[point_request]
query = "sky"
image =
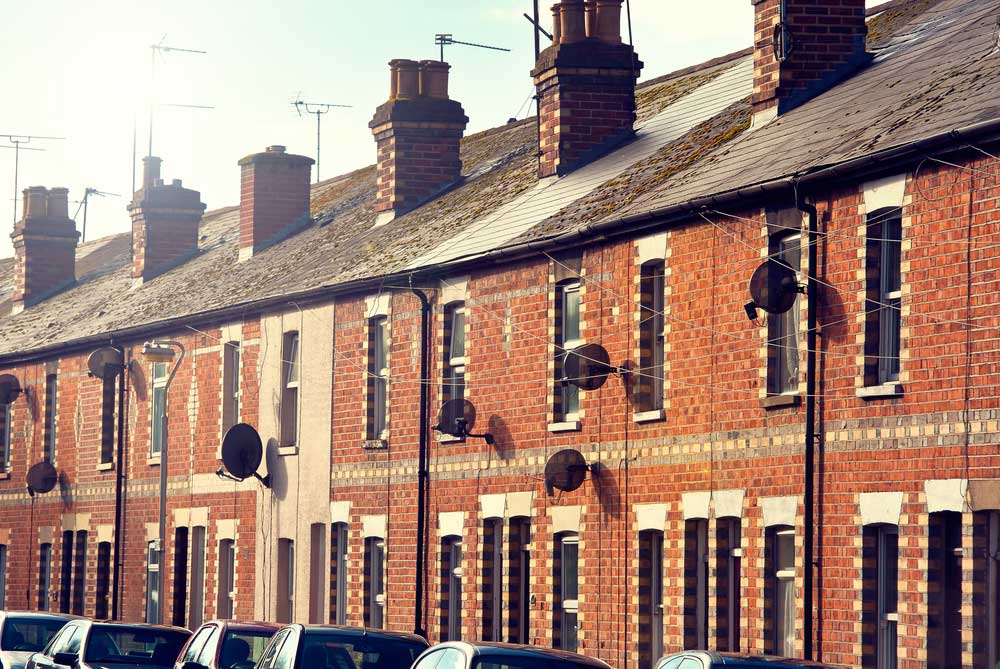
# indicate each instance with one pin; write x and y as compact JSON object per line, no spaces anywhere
{"x":83,"y":71}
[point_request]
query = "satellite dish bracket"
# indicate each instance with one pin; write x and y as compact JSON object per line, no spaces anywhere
{"x":550,"y":488}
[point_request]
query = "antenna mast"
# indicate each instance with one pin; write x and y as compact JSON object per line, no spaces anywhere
{"x":445,"y":39}
{"x":317,"y":109}
{"x":17,"y":141}
{"x":87,"y":192}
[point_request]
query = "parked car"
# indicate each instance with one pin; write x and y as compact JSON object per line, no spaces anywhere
{"x":709,"y":660}
{"x":334,"y":647}
{"x":23,"y":633}
{"x":485,"y":655}
{"x":85,"y":644}
{"x":226,"y":644}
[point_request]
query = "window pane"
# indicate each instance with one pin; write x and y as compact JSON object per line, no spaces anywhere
{"x":5,"y":416}
{"x":570,"y":400}
{"x":3,"y":577}
{"x":291,"y":359}
{"x":571,"y":313}
{"x":158,"y":409}
{"x":786,"y":617}
{"x":51,"y":404}
{"x":44,"y":576}
{"x":570,"y":555}
{"x":457,"y":349}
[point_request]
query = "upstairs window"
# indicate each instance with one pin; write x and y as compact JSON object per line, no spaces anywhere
{"x":6,"y":414}
{"x":109,"y":394}
{"x":651,"y":336}
{"x":454,"y":351}
{"x":567,"y":328}
{"x":51,"y":407}
{"x":378,"y":379}
{"x":230,"y":385}
{"x":783,"y":328}
{"x":883,"y":291}
{"x":290,"y":389}
{"x":159,"y":408}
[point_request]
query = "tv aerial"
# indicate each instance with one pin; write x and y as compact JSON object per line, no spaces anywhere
{"x":87,"y":192}
{"x":565,"y":471}
{"x":10,"y":389}
{"x":242,"y":452}
{"x":42,"y":478}
{"x":317,"y":109}
{"x":445,"y":39}
{"x":457,"y":418}
{"x":17,"y":141}
{"x":105,"y":363}
{"x":773,"y":287}
{"x":587,"y":367}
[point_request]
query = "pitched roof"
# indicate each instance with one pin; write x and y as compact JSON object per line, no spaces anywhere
{"x":691,"y":138}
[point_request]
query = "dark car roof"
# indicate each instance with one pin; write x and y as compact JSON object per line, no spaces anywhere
{"x":736,"y":659}
{"x":481,"y":648}
{"x":40,"y":614}
{"x":245,"y":626}
{"x":144,"y":626}
{"x":363,"y":631}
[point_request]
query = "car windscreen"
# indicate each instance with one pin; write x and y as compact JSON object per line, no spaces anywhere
{"x":242,"y":649}
{"x":29,"y":635}
{"x":333,"y":650}
{"x":525,"y":662}
{"x":133,"y":645}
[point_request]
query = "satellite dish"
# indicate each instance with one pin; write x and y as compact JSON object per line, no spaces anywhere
{"x":242,"y":451}
{"x":587,"y":367}
{"x":105,"y":363}
{"x":774,"y":286}
{"x":565,"y":471}
{"x":457,"y":418}
{"x":10,"y":389}
{"x":42,"y":478}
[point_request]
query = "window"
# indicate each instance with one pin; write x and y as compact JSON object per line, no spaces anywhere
{"x":565,"y":574}
{"x":944,"y":590}
{"x":454,"y":352}
{"x":44,"y":576}
{"x":227,"y":579}
{"x":290,"y":389}
{"x":5,"y":428}
{"x":66,"y":572}
{"x":196,"y":604}
{"x":451,"y":589}
{"x":159,"y":408}
{"x":783,"y":328}
{"x":51,"y":404}
{"x":152,"y":583}
{"x":79,"y":573}
{"x":887,"y":537}
{"x":492,"y":578}
{"x":101,"y":599}
{"x":374,"y":584}
{"x":567,"y":407}
{"x":519,"y":580}
{"x":180,"y":576}
{"x":109,"y":392}
{"x":230,"y":385}
{"x":883,"y":296}
{"x":650,"y":598}
{"x":780,"y":590}
{"x":727,"y":568}
{"x":317,"y":575}
{"x":338,"y":574}
{"x":285,"y":605}
{"x":378,"y":379}
{"x":651,"y":336}
{"x":991,"y":569}
{"x":3,"y":577}
{"x":696,"y":583}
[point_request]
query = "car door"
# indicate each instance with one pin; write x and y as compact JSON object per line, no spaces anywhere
{"x":45,"y":659}
{"x":194,"y":646}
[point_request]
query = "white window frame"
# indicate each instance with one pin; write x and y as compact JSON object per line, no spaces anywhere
{"x":496,"y":595}
{"x":3,"y":576}
{"x":51,"y":417}
{"x":733,"y":565}
{"x":993,"y":588}
{"x":196,"y":594}
{"x":569,"y":608}
{"x":523,"y":525}
{"x":7,"y":412}
{"x":226,"y":579}
{"x":656,"y":596}
{"x":378,"y":376}
{"x":154,"y":583}
{"x":655,"y":272}
{"x":375,"y":554}
{"x":701,"y":583}
{"x":887,"y":620}
{"x":570,"y":393}
{"x":784,"y":617}
{"x":291,"y":375}
{"x":341,"y":586}
{"x":45,"y":570}
{"x":454,"y":547}
{"x":157,"y":408}
{"x":785,"y":326}
{"x":232,"y":361}
{"x":890,"y":314}
{"x":456,"y":364}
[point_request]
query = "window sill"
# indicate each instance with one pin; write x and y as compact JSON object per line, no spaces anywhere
{"x":649,"y":416}
{"x":153,"y":461}
{"x":885,"y":391}
{"x":781,"y":401}
{"x":449,"y":439}
{"x":4,"y":476}
{"x":108,"y":466}
{"x":567,"y":426}
{"x":375,"y":444}
{"x":288,"y":450}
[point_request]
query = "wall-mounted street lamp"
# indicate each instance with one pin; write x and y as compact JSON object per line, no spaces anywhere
{"x":163,"y":351}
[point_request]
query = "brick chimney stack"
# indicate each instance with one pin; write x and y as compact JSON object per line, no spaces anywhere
{"x":586,"y":85}
{"x":802,"y":48}
{"x":274,"y":198}
{"x":417,"y":132}
{"x":165,"y":221}
{"x":45,"y":242}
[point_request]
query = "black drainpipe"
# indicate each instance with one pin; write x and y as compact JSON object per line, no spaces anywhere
{"x":119,"y":489}
{"x":809,"y":560}
{"x":422,"y":471}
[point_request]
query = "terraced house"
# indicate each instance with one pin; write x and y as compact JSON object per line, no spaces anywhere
{"x":807,"y":469}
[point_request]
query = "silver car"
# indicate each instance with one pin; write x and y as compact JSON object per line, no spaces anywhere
{"x":22,"y":634}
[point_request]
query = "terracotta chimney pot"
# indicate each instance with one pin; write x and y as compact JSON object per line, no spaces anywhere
{"x":408,"y":79}
{"x":35,"y":202}
{"x":58,"y":204}
{"x":434,"y":79}
{"x":150,"y":171}
{"x":609,"y":21}
{"x":573,"y":24}
{"x":556,"y":23}
{"x":393,"y":79}
{"x":591,"y":17}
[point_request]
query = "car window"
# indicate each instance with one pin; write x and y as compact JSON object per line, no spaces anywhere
{"x":335,"y":649}
{"x":29,"y":635}
{"x":75,"y":640}
{"x":527,"y":662}
{"x":690,"y":663}
{"x":242,"y":650}
{"x":672,"y":663}
{"x":207,"y":653}
{"x":285,"y":659}
{"x":267,"y":660}
{"x":451,"y":658}
{"x":197,"y":643}
{"x":142,"y":646}
{"x":429,"y":661}
{"x":61,"y":640}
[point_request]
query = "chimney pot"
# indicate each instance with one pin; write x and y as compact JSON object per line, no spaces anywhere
{"x":58,"y":204}
{"x":150,"y":171}
{"x":177,"y":183}
{"x":556,"y":23}
{"x":573,"y":24}
{"x":276,"y":148}
{"x":407,"y":79}
{"x":35,"y":202}
{"x":434,"y":79}
{"x":44,"y":247}
{"x":591,"y":17}
{"x":609,"y":21}
{"x":393,"y":79}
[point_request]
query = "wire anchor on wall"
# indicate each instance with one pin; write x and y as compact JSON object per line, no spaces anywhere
{"x":445,"y":39}
{"x":317,"y":109}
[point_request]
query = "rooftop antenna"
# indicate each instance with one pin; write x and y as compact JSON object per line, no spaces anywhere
{"x":539,"y":30}
{"x":445,"y":39}
{"x":17,"y":141}
{"x":87,"y":192}
{"x":317,"y":109}
{"x":159,"y":47}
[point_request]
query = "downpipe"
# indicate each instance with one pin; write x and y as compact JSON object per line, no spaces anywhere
{"x":423,"y":474}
